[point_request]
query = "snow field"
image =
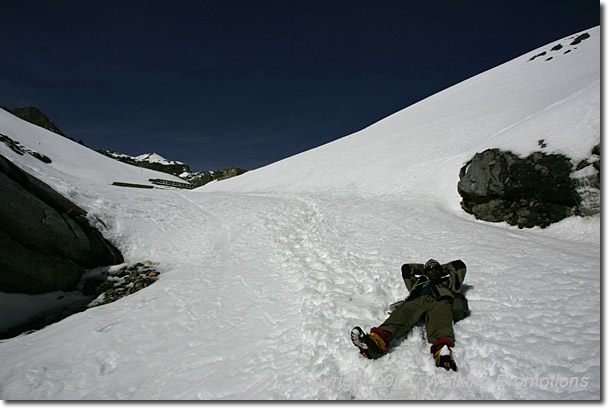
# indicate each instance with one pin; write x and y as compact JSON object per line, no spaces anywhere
{"x":264,"y":275}
{"x":259,"y":292}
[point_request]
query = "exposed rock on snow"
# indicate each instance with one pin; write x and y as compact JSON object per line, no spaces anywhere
{"x":46,"y":239}
{"x":15,"y":146}
{"x":499,"y":186}
{"x":538,"y":190}
{"x":580,"y":38}
{"x":120,"y":283}
{"x":587,"y":183}
{"x":229,"y":172}
{"x":198,"y":179}
{"x":559,"y":46}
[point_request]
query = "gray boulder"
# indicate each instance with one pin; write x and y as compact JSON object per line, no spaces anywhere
{"x":46,"y":242}
{"x":500,"y":186}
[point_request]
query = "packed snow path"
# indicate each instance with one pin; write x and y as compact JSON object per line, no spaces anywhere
{"x":259,"y":292}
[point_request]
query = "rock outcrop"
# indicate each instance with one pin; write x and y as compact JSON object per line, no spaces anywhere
{"x":229,"y":172}
{"x":198,"y":179}
{"x":36,"y":117}
{"x":46,"y":242}
{"x":553,"y":51}
{"x":587,"y":183}
{"x":19,"y":149}
{"x":500,"y":186}
{"x":120,"y":283}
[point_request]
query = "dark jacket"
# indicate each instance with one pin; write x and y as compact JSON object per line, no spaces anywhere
{"x":444,"y":288}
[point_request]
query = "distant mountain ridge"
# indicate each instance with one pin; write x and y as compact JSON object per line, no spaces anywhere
{"x":150,"y":161}
{"x":158,"y":163}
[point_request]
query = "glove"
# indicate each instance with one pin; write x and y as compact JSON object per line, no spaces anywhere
{"x":407,"y":272}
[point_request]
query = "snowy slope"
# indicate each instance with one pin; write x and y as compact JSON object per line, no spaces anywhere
{"x":264,"y":275}
{"x":421,"y":149}
{"x":70,"y":160}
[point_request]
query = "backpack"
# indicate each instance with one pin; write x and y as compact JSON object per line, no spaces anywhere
{"x":459,"y":307}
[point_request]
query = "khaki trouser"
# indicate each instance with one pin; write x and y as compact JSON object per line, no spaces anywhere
{"x":438,"y":318}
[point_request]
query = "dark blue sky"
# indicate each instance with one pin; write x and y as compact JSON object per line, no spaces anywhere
{"x":246,"y":83}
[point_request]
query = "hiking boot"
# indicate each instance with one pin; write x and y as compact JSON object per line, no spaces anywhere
{"x":372,"y":345}
{"x":378,"y":342}
{"x":443,"y":356}
{"x":376,"y":345}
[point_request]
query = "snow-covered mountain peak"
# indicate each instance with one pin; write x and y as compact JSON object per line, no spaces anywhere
{"x":156,"y":158}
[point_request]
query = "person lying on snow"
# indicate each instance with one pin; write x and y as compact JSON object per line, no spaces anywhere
{"x":434,"y":294}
